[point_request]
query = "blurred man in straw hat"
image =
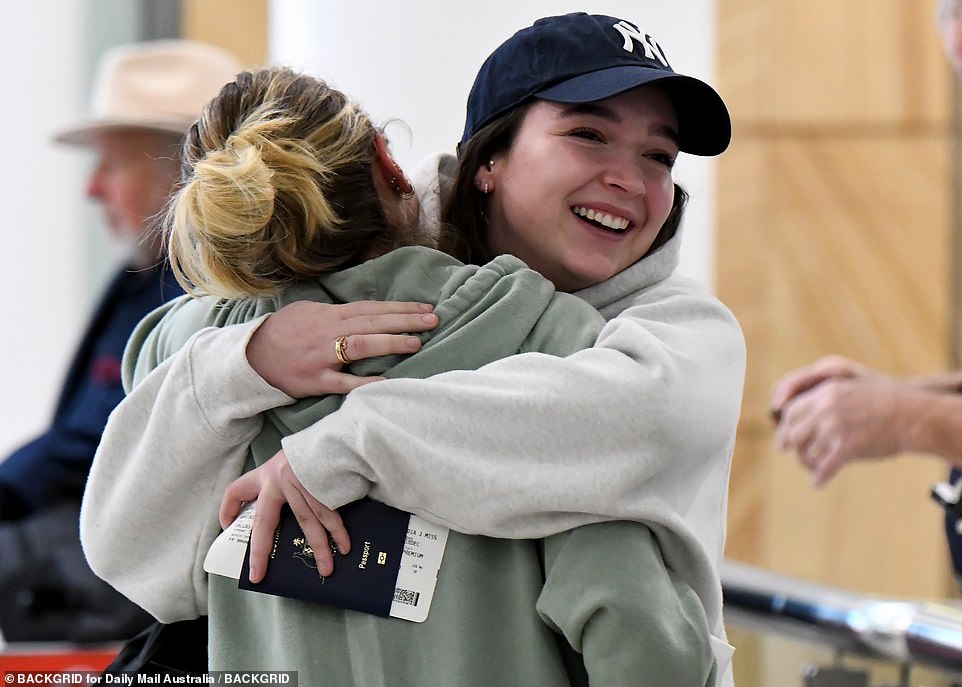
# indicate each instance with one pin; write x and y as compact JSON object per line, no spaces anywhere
{"x":145,"y":98}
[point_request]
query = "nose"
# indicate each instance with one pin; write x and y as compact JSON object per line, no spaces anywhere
{"x":96,"y":186}
{"x":626,"y":173}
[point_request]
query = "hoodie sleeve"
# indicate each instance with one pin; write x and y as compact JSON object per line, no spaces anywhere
{"x":150,"y":507}
{"x":608,"y":592}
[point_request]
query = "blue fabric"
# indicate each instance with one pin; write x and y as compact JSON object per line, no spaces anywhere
{"x":953,"y":538}
{"x":54,"y":465}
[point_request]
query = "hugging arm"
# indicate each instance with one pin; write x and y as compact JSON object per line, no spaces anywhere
{"x":181,"y":436}
{"x":640,"y":427}
{"x":532,"y":445}
{"x":153,"y":475}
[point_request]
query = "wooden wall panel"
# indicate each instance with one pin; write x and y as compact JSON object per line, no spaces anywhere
{"x":835,"y":214}
{"x":239,"y":26}
{"x":868,"y":61}
{"x":861,"y":243}
{"x":862,"y":62}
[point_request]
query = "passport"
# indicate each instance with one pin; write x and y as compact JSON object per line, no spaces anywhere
{"x":363,"y":580}
{"x":392,"y":568}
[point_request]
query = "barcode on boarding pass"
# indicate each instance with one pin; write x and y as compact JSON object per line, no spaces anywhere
{"x":406,"y":596}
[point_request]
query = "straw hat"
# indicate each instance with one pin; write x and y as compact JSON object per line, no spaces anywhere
{"x":154,"y":85}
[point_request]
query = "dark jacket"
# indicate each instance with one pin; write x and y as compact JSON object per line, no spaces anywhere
{"x":47,"y":590}
{"x":54,"y":465}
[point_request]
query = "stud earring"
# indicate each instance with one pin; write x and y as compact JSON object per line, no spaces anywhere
{"x":401,"y":186}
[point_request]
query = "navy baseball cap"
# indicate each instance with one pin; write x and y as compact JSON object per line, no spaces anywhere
{"x":581,"y":58}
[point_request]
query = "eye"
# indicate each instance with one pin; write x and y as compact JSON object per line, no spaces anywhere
{"x":587,"y":134}
{"x":663,"y":158}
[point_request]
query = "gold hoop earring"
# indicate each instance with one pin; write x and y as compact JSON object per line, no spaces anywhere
{"x":402,"y":186}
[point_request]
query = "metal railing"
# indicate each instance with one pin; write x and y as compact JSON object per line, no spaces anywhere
{"x":904,"y":632}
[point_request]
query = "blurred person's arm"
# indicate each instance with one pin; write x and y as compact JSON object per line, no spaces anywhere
{"x":836,"y":367}
{"x":947,"y":382}
{"x":848,"y":419}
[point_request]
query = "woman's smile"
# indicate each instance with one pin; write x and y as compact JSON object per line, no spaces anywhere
{"x":608,"y":221}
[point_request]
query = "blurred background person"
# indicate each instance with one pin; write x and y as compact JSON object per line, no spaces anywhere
{"x":145,"y":97}
{"x":837,"y":410}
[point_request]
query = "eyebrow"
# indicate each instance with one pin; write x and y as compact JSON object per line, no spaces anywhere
{"x":609,"y":114}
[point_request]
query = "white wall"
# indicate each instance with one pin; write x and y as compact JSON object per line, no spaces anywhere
{"x":44,"y":256}
{"x":57,"y":252}
{"x":416,"y":60}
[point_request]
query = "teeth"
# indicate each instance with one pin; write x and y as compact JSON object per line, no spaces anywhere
{"x":616,"y":223}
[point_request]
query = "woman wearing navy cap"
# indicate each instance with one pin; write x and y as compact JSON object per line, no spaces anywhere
{"x":573,"y":127}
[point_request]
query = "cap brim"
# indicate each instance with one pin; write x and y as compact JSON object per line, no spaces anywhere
{"x":86,"y":133}
{"x":704,"y":125}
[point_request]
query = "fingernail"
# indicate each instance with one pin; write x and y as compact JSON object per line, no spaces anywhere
{"x":413,"y":343}
{"x":254,"y":574}
{"x":430,"y":318}
{"x":426,"y":307}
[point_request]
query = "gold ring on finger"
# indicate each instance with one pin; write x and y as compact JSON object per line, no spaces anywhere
{"x":340,"y":350}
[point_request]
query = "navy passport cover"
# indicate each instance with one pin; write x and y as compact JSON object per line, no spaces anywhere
{"x":363,"y":580}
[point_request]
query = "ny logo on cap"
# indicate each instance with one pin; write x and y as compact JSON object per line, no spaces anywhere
{"x":632,"y":33}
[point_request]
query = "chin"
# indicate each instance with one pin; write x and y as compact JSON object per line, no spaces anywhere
{"x":591,"y":276}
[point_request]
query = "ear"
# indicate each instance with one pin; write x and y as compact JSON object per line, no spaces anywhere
{"x":390,"y":170}
{"x":484,"y":178}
